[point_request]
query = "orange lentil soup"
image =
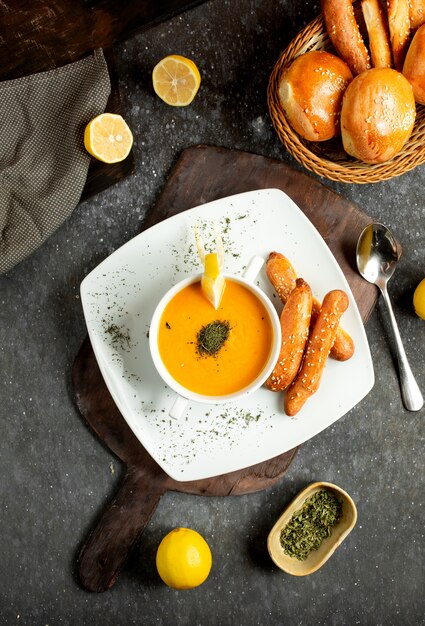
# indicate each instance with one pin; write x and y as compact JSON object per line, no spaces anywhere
{"x":244,"y":353}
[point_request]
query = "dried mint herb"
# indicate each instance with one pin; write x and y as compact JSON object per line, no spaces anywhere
{"x":311,"y":524}
{"x":119,"y":336}
{"x":212,"y":337}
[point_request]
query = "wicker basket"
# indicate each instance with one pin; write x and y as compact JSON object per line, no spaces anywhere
{"x":327,"y":158}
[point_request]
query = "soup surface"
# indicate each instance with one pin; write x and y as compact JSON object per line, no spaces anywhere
{"x":244,"y":353}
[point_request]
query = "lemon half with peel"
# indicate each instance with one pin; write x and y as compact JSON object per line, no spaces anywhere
{"x":212,"y":281}
{"x":176,"y":80}
{"x":108,"y":138}
{"x":183,"y":559}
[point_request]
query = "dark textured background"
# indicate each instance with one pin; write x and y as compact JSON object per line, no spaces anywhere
{"x":56,"y":477}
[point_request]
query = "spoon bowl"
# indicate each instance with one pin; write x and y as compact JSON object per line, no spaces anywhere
{"x":377,"y":255}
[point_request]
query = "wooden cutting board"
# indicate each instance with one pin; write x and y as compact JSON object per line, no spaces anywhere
{"x":202,"y":174}
{"x":38,"y":35}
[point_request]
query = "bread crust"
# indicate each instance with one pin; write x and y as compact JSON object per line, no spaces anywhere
{"x":344,"y":32}
{"x":414,"y":65}
{"x":282,"y":276}
{"x":295,"y":325}
{"x":319,"y":344}
{"x":343,"y":346}
{"x":399,"y":27}
{"x":377,"y":29}
{"x":416,"y":14}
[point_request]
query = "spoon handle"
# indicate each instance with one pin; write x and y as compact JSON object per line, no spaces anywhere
{"x":410,"y":392}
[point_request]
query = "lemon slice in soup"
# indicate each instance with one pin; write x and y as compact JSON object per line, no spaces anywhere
{"x":212,"y":281}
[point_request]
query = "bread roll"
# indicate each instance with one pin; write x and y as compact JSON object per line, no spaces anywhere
{"x":377,"y":116}
{"x":310,"y":92}
{"x":414,"y":65}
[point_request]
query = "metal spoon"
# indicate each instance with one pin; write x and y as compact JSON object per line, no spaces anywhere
{"x":377,"y":255}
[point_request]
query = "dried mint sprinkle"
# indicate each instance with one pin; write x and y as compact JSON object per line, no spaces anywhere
{"x":212,"y":337}
{"x":119,"y":336}
{"x":311,"y":524}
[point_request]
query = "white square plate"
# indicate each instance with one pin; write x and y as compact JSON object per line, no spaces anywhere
{"x":120,"y":295}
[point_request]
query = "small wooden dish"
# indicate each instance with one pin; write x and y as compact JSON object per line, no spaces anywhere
{"x":316,"y":558}
{"x":327,"y":158}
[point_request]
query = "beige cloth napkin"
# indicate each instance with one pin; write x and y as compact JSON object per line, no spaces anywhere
{"x":43,"y":163}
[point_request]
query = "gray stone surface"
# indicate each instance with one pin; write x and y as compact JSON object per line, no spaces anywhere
{"x":57,"y":477}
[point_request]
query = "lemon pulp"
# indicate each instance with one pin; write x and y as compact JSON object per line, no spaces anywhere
{"x":212,"y":282}
{"x":108,"y":138}
{"x":176,"y":80}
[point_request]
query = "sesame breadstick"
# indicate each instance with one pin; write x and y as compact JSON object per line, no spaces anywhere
{"x":377,"y":29}
{"x":317,"y":351}
{"x":295,"y":324}
{"x":399,"y":25}
{"x":344,"y":33}
{"x":282,"y":276}
{"x":343,"y":346}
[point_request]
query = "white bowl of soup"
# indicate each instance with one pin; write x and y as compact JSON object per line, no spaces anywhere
{"x":214,"y":356}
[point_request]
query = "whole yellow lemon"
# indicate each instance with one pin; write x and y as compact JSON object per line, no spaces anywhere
{"x":183,"y":559}
{"x":419,"y":299}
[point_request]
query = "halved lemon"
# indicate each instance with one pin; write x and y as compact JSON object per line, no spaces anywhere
{"x":176,"y":80}
{"x":108,"y":138}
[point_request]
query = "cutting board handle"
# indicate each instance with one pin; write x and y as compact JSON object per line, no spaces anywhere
{"x":122,"y":523}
